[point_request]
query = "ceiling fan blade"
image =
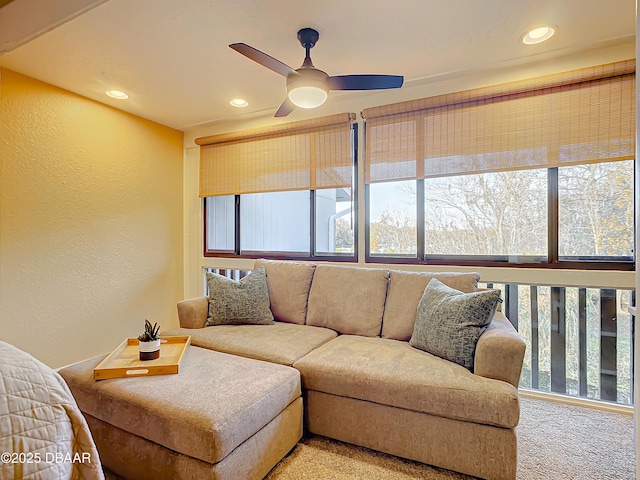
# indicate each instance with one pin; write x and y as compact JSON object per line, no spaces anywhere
{"x":365,"y":82}
{"x":263,"y":59}
{"x":285,"y":109}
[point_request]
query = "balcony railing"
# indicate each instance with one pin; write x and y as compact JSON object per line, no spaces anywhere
{"x":579,"y":340}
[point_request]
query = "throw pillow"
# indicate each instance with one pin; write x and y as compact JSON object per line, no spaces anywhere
{"x":239,"y":303}
{"x":449,"y":322}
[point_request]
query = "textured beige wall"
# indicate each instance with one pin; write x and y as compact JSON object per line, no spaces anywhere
{"x":90,"y":222}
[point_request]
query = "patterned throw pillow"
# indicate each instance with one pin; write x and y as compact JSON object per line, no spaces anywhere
{"x":449,"y":322}
{"x":239,"y":303}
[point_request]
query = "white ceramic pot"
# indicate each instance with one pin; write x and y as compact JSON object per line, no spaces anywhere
{"x":149,"y":350}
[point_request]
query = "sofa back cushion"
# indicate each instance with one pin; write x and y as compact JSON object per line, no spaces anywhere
{"x":288,"y":284}
{"x":348,"y":300}
{"x":405,"y":292}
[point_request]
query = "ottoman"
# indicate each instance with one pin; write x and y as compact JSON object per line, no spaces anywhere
{"x":222,"y":417}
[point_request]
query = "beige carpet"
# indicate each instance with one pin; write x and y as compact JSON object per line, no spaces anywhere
{"x":555,"y":442}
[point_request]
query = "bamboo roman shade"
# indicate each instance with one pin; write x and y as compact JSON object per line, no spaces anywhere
{"x":303,"y":155}
{"x":572,"y":118}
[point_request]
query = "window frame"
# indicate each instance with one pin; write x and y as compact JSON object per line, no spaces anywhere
{"x":553,"y":260}
{"x":283,"y":255}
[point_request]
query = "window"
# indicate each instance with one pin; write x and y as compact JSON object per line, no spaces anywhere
{"x":284,"y":190}
{"x":392,"y":218}
{"x":334,"y":222}
{"x":596,"y":211}
{"x":538,"y":171}
{"x":275,"y":222}
{"x":502,"y":214}
{"x":220,"y":223}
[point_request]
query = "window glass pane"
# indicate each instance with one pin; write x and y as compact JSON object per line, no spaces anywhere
{"x":596,"y":210}
{"x":220,"y":223}
{"x":275,"y":222}
{"x":334,"y":221}
{"x":392,"y":214}
{"x":497,"y":214}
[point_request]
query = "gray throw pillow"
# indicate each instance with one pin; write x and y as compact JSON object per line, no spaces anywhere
{"x":449,"y":322}
{"x":239,"y":303}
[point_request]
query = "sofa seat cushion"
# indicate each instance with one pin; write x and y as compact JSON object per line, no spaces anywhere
{"x":280,"y":342}
{"x":405,"y":292}
{"x":348,"y":299}
{"x":213,"y":405}
{"x":391,"y":372}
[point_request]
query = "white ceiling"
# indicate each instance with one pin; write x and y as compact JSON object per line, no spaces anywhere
{"x":172,"y":56}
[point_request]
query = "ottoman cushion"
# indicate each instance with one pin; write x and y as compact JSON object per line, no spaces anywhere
{"x":213,"y":405}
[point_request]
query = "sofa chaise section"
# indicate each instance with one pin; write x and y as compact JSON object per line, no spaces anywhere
{"x":223,"y":417}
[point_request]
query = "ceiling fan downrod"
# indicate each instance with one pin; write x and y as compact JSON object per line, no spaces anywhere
{"x":308,"y":37}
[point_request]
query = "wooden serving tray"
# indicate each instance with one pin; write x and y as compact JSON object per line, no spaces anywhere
{"x":124,"y":361}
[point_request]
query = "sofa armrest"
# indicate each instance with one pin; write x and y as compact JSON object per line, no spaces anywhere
{"x":500,"y":351}
{"x":192,"y":313}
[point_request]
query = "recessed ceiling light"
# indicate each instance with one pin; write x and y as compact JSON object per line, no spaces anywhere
{"x":538,"y":35}
{"x":117,"y":94}
{"x":239,"y":103}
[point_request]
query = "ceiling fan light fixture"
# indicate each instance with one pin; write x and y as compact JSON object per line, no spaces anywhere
{"x":308,"y":96}
{"x":308,"y":88}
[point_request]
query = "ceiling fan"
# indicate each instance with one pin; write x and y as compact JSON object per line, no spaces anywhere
{"x":308,"y":87}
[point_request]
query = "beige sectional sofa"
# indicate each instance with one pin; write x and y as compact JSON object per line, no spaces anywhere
{"x":346,"y":330}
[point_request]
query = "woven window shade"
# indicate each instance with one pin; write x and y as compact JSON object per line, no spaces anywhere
{"x":304,"y":155}
{"x":577,"y":117}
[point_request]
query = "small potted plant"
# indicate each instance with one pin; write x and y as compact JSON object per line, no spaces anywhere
{"x":149,"y":341}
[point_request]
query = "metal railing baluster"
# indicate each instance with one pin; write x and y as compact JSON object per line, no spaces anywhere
{"x":558,"y":340}
{"x":608,"y":345}
{"x":535,"y":367}
{"x":582,"y":341}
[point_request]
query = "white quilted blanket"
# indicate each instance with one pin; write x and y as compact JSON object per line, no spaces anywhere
{"x":43,"y":434}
